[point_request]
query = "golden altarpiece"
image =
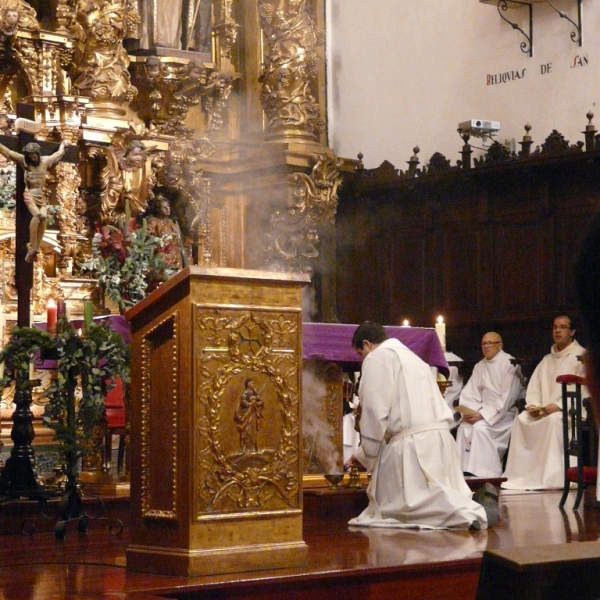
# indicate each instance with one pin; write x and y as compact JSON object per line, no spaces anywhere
{"x":216,"y":105}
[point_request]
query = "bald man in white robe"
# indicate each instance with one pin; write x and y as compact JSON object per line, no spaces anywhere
{"x":406,"y":442}
{"x":492,"y":393}
{"x":535,"y":458}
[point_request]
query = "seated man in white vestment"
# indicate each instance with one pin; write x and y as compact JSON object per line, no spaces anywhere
{"x":406,"y":442}
{"x":491,"y":393}
{"x":535,"y":457}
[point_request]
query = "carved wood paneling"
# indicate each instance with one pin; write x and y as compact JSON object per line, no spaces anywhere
{"x":523,"y":267}
{"x":463,"y":275}
{"x":408,"y":252}
{"x":490,"y":248}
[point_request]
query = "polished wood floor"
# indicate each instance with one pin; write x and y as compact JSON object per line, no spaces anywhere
{"x":343,"y":562}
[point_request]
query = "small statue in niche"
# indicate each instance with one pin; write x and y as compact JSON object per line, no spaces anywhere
{"x":248,"y":417}
{"x":169,"y":23}
{"x":35,"y":167}
{"x":161,"y":225}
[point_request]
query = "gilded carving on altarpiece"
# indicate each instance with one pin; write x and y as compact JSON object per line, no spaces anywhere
{"x":246,"y":370}
{"x":100,"y":60}
{"x":291,"y":67}
{"x":293,"y":234}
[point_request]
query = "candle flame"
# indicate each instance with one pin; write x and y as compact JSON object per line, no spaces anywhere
{"x":51,"y":303}
{"x":440,"y":319}
{"x":405,"y":323}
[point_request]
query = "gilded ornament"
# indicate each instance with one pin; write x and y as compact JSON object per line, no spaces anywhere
{"x":293,"y":235}
{"x":100,"y":60}
{"x":245,"y":370}
{"x":290,"y":69}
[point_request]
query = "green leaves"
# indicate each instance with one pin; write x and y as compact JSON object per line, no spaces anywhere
{"x":85,"y":367}
{"x":128,"y":262}
{"x":23,"y":346}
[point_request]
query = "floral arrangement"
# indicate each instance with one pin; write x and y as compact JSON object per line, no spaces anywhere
{"x":128,"y":262}
{"x":86,"y":362}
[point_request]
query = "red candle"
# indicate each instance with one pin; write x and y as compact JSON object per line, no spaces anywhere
{"x":51,"y":316}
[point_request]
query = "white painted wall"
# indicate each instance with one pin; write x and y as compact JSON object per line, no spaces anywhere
{"x":405,"y":72}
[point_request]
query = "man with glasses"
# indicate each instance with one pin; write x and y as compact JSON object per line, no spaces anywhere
{"x":535,"y":458}
{"x":491,"y":394}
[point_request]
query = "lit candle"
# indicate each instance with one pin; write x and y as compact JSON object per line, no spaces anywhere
{"x":440,"y":329}
{"x":51,"y":312}
{"x":88,"y":315}
{"x":405,"y":323}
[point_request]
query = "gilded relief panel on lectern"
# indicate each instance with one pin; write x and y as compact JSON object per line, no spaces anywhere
{"x":247,"y":426}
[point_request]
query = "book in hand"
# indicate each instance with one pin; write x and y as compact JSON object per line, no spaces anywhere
{"x":465,"y":411}
{"x":536,"y":409}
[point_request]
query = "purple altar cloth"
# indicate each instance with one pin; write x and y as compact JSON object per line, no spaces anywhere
{"x":333,"y":342}
{"x":328,"y":341}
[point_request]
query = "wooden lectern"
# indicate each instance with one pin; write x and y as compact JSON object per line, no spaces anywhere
{"x":216,"y":446}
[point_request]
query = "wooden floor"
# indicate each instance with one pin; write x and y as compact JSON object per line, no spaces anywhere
{"x":344,"y":562}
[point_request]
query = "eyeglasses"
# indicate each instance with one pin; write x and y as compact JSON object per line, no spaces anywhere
{"x":484,"y":344}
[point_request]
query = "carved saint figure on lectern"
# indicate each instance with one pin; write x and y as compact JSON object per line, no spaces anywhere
{"x":34,"y":166}
{"x":248,"y":417}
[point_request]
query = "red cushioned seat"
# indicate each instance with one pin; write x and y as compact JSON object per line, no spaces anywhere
{"x":590,"y":475}
{"x":570,"y":379}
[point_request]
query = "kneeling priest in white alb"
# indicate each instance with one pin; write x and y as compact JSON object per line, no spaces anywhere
{"x":406,"y":442}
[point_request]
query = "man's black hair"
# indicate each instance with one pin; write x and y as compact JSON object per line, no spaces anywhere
{"x":369,"y":331}
{"x":572,"y":321}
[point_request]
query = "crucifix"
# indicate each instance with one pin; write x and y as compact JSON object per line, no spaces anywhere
{"x":33,"y":158}
{"x":18,"y":478}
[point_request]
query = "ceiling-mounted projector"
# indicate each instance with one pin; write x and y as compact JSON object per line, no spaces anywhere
{"x":479,"y":127}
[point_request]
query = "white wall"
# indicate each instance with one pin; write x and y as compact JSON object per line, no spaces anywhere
{"x":405,"y":72}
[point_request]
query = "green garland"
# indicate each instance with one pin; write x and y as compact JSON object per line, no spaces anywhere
{"x":23,"y":346}
{"x":90,"y":361}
